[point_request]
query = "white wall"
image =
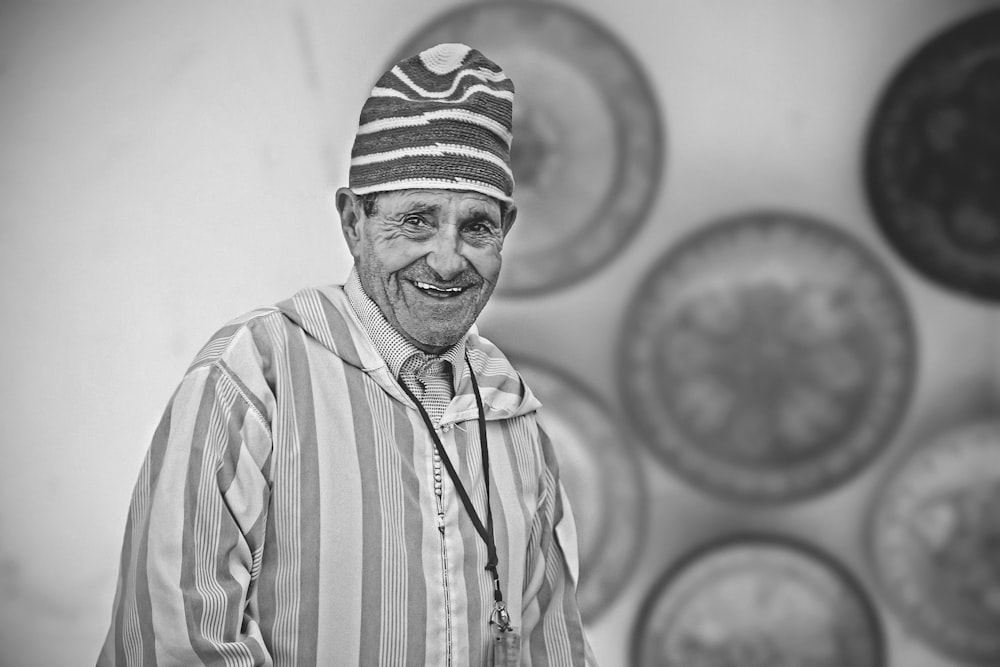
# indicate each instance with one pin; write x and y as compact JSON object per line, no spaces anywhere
{"x":164,"y":167}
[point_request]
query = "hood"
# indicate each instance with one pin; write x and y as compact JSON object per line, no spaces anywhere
{"x":325,"y":314}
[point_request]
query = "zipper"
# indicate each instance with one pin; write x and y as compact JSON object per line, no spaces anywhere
{"x":444,"y":555}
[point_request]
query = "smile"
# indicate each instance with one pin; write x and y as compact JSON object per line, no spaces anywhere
{"x":438,"y":292}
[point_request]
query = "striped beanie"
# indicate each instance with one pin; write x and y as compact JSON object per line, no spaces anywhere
{"x":440,"y":120}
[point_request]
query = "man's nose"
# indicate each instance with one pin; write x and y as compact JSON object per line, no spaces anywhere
{"x":445,"y":257}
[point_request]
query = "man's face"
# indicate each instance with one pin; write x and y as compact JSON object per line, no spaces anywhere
{"x":430,"y":260}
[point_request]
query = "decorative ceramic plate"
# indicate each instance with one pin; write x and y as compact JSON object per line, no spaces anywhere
{"x":758,"y":602}
{"x":935,"y":540}
{"x":768,"y":357}
{"x":587,"y":147}
{"x":600,"y":471}
{"x":933,"y":162}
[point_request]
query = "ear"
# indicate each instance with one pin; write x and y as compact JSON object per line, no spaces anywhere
{"x":508,"y":220}
{"x":349,"y":208}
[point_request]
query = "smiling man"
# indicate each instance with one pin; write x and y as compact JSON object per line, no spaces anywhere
{"x":355,"y":476}
{"x":428,"y":258}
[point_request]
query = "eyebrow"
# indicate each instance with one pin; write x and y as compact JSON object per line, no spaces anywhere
{"x":482,"y":212}
{"x":419,"y":207}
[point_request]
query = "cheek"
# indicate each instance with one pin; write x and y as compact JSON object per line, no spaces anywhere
{"x":486,"y":261}
{"x":392,"y":254}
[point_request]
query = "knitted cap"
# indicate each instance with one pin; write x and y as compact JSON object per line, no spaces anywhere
{"x":438,"y":120}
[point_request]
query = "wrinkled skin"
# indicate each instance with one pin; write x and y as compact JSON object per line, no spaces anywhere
{"x":429,"y":259}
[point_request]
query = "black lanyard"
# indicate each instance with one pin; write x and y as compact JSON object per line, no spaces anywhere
{"x":485,"y":532}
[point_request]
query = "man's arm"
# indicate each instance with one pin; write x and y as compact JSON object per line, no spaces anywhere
{"x":552,"y":632}
{"x":195,"y":534}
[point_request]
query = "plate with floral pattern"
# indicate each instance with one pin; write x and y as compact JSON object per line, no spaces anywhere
{"x":935,"y":542}
{"x":758,"y":601}
{"x":767,"y":357}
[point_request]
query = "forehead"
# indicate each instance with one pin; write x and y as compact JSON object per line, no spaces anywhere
{"x":463,"y":201}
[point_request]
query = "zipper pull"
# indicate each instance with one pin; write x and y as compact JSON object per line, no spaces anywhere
{"x":440,"y":521}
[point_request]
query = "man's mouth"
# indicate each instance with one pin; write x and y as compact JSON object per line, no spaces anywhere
{"x":438,"y":292}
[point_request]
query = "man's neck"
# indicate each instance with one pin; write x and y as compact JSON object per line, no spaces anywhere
{"x":391,"y":344}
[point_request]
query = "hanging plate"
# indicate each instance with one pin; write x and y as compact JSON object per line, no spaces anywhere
{"x":768,"y":357}
{"x":935,"y":541}
{"x":587,"y":147}
{"x":600,"y":470}
{"x":758,"y":601}
{"x":933,"y":160}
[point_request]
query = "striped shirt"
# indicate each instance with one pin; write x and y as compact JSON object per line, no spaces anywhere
{"x":285,"y":513}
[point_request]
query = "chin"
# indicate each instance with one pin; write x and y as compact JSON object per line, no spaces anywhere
{"x":437,"y":343}
{"x":434,"y":332}
{"x":436,"y":339}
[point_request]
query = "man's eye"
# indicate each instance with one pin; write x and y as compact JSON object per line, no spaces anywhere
{"x":480,"y":228}
{"x":414,"y":221}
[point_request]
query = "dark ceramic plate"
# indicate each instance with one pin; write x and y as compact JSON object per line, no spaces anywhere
{"x":933,"y":158}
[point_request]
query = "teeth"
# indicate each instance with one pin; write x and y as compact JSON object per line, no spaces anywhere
{"x":436,"y":289}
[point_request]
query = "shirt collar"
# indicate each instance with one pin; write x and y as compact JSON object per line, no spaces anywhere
{"x":391,"y":345}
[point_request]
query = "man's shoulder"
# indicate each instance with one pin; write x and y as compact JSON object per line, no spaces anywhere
{"x":502,"y":386}
{"x":316,"y":311}
{"x":223,"y":339}
{"x":483,"y":348}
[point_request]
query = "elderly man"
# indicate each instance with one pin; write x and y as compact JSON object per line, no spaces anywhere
{"x":355,"y":476}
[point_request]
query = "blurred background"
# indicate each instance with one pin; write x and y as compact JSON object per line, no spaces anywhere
{"x":165,"y":167}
